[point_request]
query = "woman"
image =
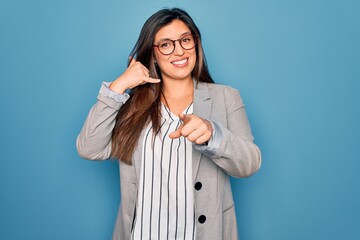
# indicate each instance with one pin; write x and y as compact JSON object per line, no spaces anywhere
{"x":177,"y":134}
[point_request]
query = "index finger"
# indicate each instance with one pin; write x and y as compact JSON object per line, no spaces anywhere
{"x":177,"y":132}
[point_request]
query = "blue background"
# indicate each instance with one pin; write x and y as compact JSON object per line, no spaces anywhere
{"x":296,"y":64}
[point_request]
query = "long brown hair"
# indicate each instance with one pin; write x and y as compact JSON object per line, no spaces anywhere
{"x":144,"y":102}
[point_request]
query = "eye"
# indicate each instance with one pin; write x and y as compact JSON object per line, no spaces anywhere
{"x":165,"y":44}
{"x":186,"y":39}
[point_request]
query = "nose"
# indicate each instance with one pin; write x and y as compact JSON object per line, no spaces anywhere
{"x":178,"y":49}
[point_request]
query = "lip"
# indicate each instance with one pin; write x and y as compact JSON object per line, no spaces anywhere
{"x":180,"y":62}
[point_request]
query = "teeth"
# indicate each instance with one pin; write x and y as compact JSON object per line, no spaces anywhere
{"x":180,"y":62}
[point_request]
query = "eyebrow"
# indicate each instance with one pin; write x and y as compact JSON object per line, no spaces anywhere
{"x":162,"y":39}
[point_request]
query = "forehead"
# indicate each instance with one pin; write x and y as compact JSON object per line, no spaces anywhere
{"x":172,"y":31}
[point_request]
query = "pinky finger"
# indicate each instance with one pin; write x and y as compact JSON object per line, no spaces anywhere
{"x":152,"y":80}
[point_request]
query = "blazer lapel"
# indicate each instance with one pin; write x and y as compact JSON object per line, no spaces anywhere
{"x":202,"y":108}
{"x":137,"y":158}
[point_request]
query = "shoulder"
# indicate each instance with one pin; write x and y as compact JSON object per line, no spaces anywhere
{"x":215,"y":89}
{"x":221,"y":95}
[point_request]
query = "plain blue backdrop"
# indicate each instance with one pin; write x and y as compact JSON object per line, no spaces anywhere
{"x":296,"y":64}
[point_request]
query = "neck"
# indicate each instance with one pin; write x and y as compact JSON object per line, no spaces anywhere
{"x":177,"y":95}
{"x":179,"y":88}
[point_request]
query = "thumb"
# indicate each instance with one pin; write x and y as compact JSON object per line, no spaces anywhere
{"x":132,"y":60}
{"x":181,"y":116}
{"x":185,"y":118}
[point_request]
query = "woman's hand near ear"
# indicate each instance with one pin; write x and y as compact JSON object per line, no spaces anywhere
{"x":136,"y":74}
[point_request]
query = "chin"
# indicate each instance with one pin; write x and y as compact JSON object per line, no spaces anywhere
{"x":181,"y":76}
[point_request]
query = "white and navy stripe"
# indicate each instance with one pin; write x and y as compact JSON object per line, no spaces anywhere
{"x":165,"y":207}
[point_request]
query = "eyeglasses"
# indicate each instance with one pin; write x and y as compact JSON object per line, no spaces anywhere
{"x":167,"y":46}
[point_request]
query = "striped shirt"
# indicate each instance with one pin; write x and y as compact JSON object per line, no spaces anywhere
{"x":165,"y":207}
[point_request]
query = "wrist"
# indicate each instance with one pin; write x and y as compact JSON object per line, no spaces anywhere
{"x":210,"y":127}
{"x":117,"y":87}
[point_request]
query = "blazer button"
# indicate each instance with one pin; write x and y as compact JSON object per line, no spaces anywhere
{"x":202,"y":219}
{"x":198,"y":186}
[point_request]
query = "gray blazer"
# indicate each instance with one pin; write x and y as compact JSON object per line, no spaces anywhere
{"x":231,"y":152}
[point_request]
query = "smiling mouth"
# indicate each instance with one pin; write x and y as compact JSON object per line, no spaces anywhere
{"x":180,"y":63}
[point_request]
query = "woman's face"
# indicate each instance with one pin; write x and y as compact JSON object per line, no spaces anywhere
{"x":179,"y":64}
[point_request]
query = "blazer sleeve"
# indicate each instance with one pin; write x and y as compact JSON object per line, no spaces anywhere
{"x":232,"y":145}
{"x":94,"y":140}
